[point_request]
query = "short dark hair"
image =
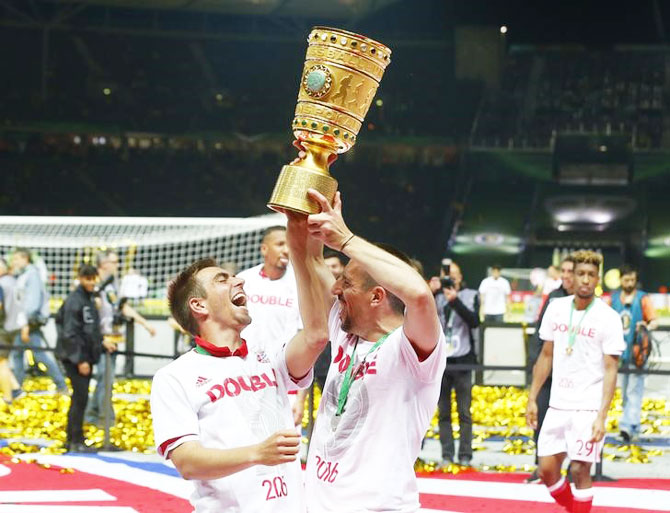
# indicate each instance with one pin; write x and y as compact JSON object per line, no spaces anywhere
{"x":184,"y":287}
{"x":495,"y":267}
{"x":331,"y":253}
{"x":394,"y":301}
{"x":418,"y":266}
{"x":87,"y":271}
{"x":26,"y":253}
{"x":272,"y":229}
{"x":627,"y":269}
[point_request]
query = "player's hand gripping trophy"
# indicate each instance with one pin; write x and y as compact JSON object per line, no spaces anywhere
{"x":339,"y":80}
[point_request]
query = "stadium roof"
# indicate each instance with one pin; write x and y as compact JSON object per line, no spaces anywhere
{"x":332,"y":9}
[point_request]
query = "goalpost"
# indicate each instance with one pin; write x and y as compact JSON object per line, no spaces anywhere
{"x":153,"y":248}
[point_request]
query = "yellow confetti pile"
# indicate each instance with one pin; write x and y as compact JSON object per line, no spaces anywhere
{"x":41,"y":417}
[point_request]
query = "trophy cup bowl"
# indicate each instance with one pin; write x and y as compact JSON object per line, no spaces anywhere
{"x":340,"y":77}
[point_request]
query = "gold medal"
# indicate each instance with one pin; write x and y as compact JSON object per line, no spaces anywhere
{"x":568,"y":351}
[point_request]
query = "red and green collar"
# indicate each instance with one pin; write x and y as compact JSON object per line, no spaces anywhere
{"x":204,"y":347}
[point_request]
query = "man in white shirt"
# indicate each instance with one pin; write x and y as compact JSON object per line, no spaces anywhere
{"x":494,"y":291}
{"x":383,"y":383}
{"x":272,"y":300}
{"x":583,"y":340}
{"x":272,"y":294}
{"x":221,"y":411}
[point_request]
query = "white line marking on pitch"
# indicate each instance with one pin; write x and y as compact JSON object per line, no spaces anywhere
{"x":31,"y":508}
{"x":95,"y":494}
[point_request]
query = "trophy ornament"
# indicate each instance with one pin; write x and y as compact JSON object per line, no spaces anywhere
{"x":340,"y":77}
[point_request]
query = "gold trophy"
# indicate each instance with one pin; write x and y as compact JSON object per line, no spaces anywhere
{"x":339,"y":80}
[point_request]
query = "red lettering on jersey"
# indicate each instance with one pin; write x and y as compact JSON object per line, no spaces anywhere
{"x":344,"y":363}
{"x":584,"y":332}
{"x":271,"y":300}
{"x":268,"y":380}
{"x":214,"y":397}
{"x":340,"y":354}
{"x":232,"y":387}
{"x":371,"y":368}
{"x":236,"y":389}
{"x":256,"y":383}
{"x":249,"y":387}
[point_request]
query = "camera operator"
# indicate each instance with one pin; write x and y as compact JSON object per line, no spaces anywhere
{"x":457,"y":308}
{"x":114,"y":313}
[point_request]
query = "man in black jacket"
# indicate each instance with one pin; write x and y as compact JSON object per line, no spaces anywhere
{"x":566,"y":289}
{"x":458,"y":310}
{"x":79,"y":347}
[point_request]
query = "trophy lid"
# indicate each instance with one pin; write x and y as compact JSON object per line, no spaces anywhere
{"x":361,"y":45}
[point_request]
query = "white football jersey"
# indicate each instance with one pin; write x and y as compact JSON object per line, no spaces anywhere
{"x":577,"y":375}
{"x":365,"y":462}
{"x":273,"y":307}
{"x":224,"y":403}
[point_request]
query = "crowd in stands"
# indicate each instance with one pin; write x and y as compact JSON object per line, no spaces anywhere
{"x":175,"y":85}
{"x":52,"y":175}
{"x":569,"y":90}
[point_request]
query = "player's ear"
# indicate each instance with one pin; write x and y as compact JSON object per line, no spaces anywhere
{"x":197,"y":305}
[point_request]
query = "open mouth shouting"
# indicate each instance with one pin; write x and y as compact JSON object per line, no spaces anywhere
{"x":239,"y":299}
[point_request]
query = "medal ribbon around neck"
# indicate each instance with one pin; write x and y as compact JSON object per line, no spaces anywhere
{"x":572,"y":334}
{"x":350,"y":374}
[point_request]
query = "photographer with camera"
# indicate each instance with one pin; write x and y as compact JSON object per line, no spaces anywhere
{"x":114,"y":314}
{"x":458,"y":310}
{"x":33,"y":299}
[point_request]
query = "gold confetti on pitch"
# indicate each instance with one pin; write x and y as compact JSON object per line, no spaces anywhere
{"x":496,"y":412}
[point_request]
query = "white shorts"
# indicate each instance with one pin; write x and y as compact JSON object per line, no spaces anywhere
{"x":569,"y":431}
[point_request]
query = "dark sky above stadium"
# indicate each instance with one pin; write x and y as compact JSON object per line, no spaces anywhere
{"x":588,"y":22}
{"x":592,"y":22}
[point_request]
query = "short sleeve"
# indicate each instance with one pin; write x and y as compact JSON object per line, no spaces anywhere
{"x":282,"y":373}
{"x":613,"y":342}
{"x":508,"y":288}
{"x":430,"y":369}
{"x":482,"y":286}
{"x":546,"y":332}
{"x":174,"y":418}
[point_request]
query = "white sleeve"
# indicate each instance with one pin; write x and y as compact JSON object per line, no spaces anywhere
{"x":282,"y":374}
{"x":546,"y":332}
{"x":508,"y":288}
{"x":613,"y":342}
{"x":482,"y":286}
{"x":430,"y":369}
{"x":174,"y":419}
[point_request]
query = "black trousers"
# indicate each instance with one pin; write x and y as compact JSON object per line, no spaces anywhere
{"x":75,"y":415}
{"x":461,"y":382}
{"x":542,"y":407}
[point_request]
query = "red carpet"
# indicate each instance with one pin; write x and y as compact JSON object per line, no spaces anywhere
{"x":468,"y":492}
{"x":30,"y":476}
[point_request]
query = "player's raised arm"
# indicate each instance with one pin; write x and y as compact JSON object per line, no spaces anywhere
{"x":421,"y":323}
{"x":314,"y":281}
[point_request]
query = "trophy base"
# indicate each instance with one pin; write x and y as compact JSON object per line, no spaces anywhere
{"x":290,"y":191}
